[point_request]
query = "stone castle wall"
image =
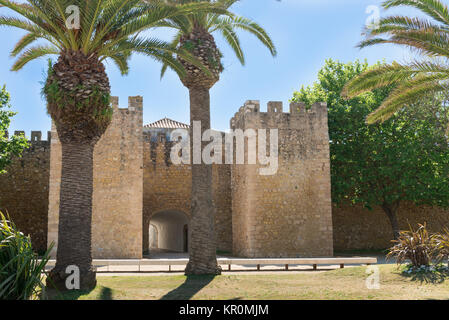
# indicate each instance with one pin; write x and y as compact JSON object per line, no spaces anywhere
{"x":357,"y":228}
{"x":24,"y":190}
{"x":118,"y":188}
{"x":167,"y":187}
{"x":287,"y":214}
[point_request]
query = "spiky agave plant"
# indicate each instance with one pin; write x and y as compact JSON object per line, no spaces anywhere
{"x":20,"y":269}
{"x":194,"y":34}
{"x":83,"y":34}
{"x":427,"y":37}
{"x":418,"y":246}
{"x":442,"y":246}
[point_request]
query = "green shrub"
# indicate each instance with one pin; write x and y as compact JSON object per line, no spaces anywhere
{"x":418,"y":246}
{"x":20,"y":268}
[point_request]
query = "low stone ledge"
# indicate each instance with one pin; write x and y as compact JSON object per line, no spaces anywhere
{"x":232,"y":261}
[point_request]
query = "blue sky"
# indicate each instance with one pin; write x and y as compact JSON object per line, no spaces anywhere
{"x":306,"y":32}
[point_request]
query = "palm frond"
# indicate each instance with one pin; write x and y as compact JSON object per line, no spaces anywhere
{"x":46,"y":20}
{"x":174,"y":43}
{"x":36,"y":19}
{"x":408,"y":93}
{"x":377,"y":77}
{"x":121,"y":61}
{"x":425,"y":41}
{"x":403,"y":23}
{"x":89,"y":20}
{"x":149,"y":16}
{"x":225,"y":24}
{"x":414,"y":80}
{"x":107,"y":28}
{"x":419,"y":78}
{"x":33,"y":53}
{"x":233,"y":40}
{"x":161,"y":51}
{"x":434,"y":8}
{"x":246,"y":25}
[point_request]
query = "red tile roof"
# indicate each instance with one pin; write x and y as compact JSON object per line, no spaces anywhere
{"x":167,"y":123}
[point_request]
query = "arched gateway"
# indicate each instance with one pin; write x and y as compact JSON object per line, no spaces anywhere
{"x":284,"y":214}
{"x":168,"y":231}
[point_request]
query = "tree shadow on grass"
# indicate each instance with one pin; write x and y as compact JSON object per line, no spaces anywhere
{"x":106,"y":293}
{"x":435,"y":277}
{"x":54,"y":294}
{"x":192,"y":285}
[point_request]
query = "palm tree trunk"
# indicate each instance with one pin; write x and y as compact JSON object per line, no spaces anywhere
{"x":202,"y":240}
{"x":75,"y":216}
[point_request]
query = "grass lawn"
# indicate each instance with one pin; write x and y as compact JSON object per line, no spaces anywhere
{"x":348,"y":283}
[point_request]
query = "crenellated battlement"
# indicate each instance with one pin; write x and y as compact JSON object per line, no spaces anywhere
{"x":135,"y":104}
{"x":35,"y":136}
{"x":294,"y":199}
{"x":117,"y":185}
{"x":250,"y":113}
{"x":276,"y":206}
{"x":160,"y":144}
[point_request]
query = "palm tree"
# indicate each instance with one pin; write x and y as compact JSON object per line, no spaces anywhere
{"x":77,"y":91}
{"x":194,"y":34}
{"x":410,"y":81}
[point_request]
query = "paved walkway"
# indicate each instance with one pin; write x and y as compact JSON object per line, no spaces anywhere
{"x":236,"y":269}
{"x":180,"y":273}
{"x":163,"y":270}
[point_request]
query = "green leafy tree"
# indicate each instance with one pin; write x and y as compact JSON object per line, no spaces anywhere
{"x":426,"y":77}
{"x":194,"y":34}
{"x":405,"y":158}
{"x":82,"y":34}
{"x":8,"y":147}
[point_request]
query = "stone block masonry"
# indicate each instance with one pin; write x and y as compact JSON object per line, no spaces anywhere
{"x":357,"y":228}
{"x":287,"y":214}
{"x":24,"y":190}
{"x":118,"y":186}
{"x":167,"y":187}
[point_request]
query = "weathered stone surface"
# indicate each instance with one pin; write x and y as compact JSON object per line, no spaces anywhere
{"x":24,"y":192}
{"x":357,"y":228}
{"x":167,"y":187}
{"x":283,"y":215}
{"x":287,"y":214}
{"x":118,"y":189}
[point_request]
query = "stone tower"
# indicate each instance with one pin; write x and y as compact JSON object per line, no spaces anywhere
{"x":118,"y":186}
{"x":288,"y":213}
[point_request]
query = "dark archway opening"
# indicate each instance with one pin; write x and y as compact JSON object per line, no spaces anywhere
{"x":168,"y":232}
